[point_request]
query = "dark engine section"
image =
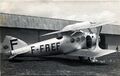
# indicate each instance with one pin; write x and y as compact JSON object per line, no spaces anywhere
{"x":88,"y":41}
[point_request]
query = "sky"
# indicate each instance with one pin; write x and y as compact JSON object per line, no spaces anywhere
{"x":80,"y":10}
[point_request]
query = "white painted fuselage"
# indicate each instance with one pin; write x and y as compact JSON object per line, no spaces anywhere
{"x":54,"y":46}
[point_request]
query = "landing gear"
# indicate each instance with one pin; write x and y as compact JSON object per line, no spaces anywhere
{"x":92,"y":59}
{"x":88,"y":59}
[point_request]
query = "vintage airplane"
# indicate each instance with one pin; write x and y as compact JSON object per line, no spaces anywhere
{"x":76,"y":43}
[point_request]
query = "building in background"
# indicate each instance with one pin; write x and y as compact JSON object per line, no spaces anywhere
{"x":29,"y":29}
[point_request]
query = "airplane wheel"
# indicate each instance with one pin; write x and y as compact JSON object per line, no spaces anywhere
{"x":92,"y":59}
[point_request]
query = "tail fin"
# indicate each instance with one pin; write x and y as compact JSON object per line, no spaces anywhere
{"x":12,"y":43}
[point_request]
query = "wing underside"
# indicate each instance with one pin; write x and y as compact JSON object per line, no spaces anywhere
{"x":91,"y":53}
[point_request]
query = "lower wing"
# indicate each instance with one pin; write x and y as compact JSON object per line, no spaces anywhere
{"x":91,"y":53}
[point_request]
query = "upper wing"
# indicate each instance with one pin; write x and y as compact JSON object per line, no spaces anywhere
{"x":84,"y":25}
{"x":51,"y":33}
{"x":58,"y":32}
{"x":93,"y":25}
{"x":78,"y":26}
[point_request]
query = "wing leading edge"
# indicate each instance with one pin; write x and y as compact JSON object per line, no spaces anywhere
{"x":78,"y":26}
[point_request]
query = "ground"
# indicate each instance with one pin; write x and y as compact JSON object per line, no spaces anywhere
{"x":61,"y":66}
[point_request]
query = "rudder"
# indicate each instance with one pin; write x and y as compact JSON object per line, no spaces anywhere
{"x":12,"y":43}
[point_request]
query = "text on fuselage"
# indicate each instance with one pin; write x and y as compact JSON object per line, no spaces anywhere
{"x":46,"y":48}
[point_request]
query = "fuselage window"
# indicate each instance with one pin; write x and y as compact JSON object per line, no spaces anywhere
{"x":77,"y":39}
{"x":72,"y":40}
{"x":82,"y":38}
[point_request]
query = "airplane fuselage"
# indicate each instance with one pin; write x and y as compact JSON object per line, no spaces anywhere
{"x":54,"y":46}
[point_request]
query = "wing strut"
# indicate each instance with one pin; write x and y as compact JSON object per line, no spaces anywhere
{"x":73,"y":33}
{"x":90,"y":30}
{"x":97,"y":34}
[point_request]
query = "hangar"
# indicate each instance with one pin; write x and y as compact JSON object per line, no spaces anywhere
{"x":29,"y":29}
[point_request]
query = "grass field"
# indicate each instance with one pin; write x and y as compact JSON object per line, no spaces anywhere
{"x":61,"y":66}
